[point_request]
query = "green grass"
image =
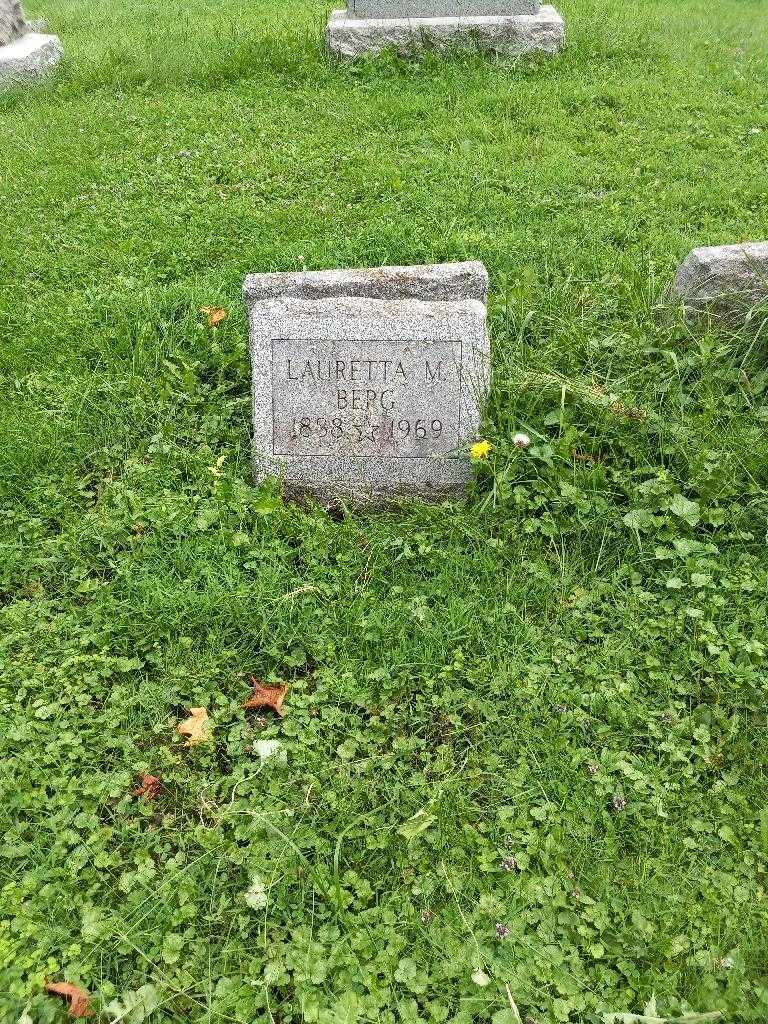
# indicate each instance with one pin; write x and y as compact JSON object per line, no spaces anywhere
{"x":566,"y":673}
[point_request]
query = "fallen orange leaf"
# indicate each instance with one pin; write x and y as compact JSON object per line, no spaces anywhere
{"x":266,"y":697}
{"x":196,"y":727}
{"x":150,"y":787}
{"x":78,"y":998}
{"x":214,"y":315}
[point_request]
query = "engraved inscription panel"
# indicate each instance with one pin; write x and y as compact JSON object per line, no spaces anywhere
{"x":385,"y":399}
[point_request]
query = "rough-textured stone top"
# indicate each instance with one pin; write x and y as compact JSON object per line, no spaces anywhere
{"x":725,"y":279}
{"x":367,"y":399}
{"x":441,"y":8}
{"x":440,"y":282}
{"x":12,"y":23}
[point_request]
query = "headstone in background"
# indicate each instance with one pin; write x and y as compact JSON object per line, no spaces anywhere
{"x":368,"y":384}
{"x":24,"y":53}
{"x":727,"y":281}
{"x":441,"y":8}
{"x":507,"y":27}
{"x":12,"y":24}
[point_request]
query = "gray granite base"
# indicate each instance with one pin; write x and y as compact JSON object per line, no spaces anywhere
{"x":510,"y":36}
{"x":29,"y":57}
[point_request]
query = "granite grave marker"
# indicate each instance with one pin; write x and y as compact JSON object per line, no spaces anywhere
{"x":507,"y":27}
{"x":24,"y":53}
{"x":369,"y":384}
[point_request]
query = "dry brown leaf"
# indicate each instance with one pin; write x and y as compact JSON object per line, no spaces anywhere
{"x":78,"y":998}
{"x":579,"y":456}
{"x":150,"y":787}
{"x":214,"y":315}
{"x":196,"y":727}
{"x":266,"y":697}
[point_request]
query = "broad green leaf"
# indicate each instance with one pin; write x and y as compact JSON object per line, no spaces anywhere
{"x":685,"y":509}
{"x":417,"y":824}
{"x":638,"y":519}
{"x":134,"y":1007}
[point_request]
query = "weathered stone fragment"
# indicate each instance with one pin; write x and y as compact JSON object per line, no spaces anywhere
{"x":728,"y":281}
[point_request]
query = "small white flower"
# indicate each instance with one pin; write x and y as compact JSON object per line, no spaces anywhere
{"x":521,"y":441}
{"x":481,"y":978}
{"x":271,"y":749}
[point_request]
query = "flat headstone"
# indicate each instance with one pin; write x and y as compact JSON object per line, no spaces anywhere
{"x":508,"y":35}
{"x":365,"y":399}
{"x":726,"y":280}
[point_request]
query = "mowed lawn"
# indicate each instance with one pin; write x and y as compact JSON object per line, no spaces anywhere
{"x":522,"y":768}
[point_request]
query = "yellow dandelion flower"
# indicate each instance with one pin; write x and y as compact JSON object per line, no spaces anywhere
{"x":479,"y":450}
